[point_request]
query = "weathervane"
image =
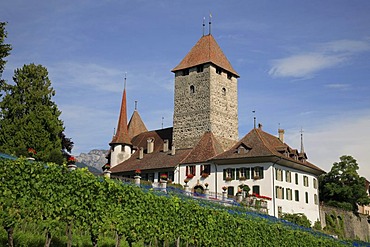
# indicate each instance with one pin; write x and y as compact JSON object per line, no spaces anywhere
{"x":254,"y":119}
{"x":210,"y":22}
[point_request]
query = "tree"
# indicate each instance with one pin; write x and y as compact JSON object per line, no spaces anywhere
{"x":4,"y":51}
{"x":29,"y":118}
{"x":342,"y":186}
{"x":299,"y":219}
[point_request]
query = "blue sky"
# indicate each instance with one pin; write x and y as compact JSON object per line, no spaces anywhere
{"x":303,"y":64}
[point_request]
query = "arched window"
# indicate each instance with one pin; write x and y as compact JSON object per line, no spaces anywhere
{"x":192,"y":89}
{"x":224,"y":91}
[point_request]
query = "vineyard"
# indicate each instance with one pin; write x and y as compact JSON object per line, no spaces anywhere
{"x":58,"y":207}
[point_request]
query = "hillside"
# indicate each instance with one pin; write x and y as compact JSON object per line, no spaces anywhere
{"x":95,"y":159}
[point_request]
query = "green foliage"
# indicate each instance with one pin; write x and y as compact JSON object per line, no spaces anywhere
{"x":342,"y":186}
{"x":317,"y":225}
{"x":299,"y":219}
{"x":4,"y":51}
{"x":30,"y":119}
{"x":334,"y":224}
{"x":51,"y":198}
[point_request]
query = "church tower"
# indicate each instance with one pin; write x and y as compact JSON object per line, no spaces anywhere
{"x":205,"y":96}
{"x":121,"y":146}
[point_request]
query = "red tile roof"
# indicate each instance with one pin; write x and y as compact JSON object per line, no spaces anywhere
{"x":136,"y":126}
{"x":206,"y":50}
{"x":122,"y":136}
{"x":207,"y":147}
{"x":259,"y":144}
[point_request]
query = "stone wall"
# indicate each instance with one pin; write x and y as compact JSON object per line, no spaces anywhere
{"x":205,"y":101}
{"x":344,"y":223}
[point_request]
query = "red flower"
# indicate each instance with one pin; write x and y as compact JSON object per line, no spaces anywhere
{"x":138,"y":171}
{"x":31,"y":151}
{"x":164,"y":176}
{"x":72,"y":159}
{"x":190,"y":176}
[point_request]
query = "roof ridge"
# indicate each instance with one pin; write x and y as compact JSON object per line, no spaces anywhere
{"x":263,"y":141}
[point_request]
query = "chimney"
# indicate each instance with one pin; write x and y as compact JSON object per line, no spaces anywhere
{"x":173,"y":150}
{"x":150,"y":145}
{"x":281,"y":135}
{"x":165,"y":146}
{"x":141,"y":153}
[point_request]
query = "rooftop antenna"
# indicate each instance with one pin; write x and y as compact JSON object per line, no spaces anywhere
{"x":135,"y":105}
{"x":162,"y":122}
{"x":124,"y":86}
{"x":254,"y":119}
{"x":210,"y":22}
{"x":204,"y":24}
{"x":302,"y":149}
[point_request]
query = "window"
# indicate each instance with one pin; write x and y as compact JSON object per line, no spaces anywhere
{"x":257,"y":172}
{"x":296,"y":178}
{"x":289,"y":195}
{"x":190,"y":170}
{"x":315,"y":183}
{"x":230,"y":191}
{"x":305,"y":181}
{"x":306,"y":195}
{"x":223,"y":91}
{"x":279,"y":175}
{"x":218,"y":70}
{"x":288,"y":176}
{"x":205,"y":169}
{"x":296,"y":193}
{"x":280,"y":211}
{"x":279,"y":192}
{"x":185,"y":72}
{"x":315,"y":199}
{"x":256,"y":189}
{"x":229,"y":174}
{"x":229,"y":75}
{"x":200,"y":68}
{"x":192,"y":89}
{"x":243,"y":173}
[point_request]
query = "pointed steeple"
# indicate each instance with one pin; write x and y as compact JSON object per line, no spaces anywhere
{"x":122,"y":136}
{"x":136,"y":125}
{"x":206,"y":50}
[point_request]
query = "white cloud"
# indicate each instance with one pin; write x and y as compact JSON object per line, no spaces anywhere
{"x":334,"y":138}
{"x":340,"y":86}
{"x":324,"y":56}
{"x":303,"y":65}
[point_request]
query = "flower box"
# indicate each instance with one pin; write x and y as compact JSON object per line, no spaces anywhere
{"x":190,"y":176}
{"x":228,"y":179}
{"x":242,"y":178}
{"x":205,"y":175}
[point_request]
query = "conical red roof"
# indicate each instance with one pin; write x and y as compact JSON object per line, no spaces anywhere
{"x":136,"y":125}
{"x":206,"y":50}
{"x":122,"y":136}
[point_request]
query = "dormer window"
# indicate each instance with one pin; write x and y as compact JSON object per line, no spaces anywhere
{"x":229,"y":75}
{"x":218,"y":70}
{"x":200,"y":68}
{"x":242,"y":149}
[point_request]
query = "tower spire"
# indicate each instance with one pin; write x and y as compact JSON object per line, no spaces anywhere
{"x":302,"y":148}
{"x":204,"y":25}
{"x":210,"y":23}
{"x":121,"y":136}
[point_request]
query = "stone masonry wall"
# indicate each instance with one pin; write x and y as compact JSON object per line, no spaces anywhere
{"x":345,"y":222}
{"x":208,"y":108}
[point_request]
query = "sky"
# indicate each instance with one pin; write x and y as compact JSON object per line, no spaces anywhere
{"x":303,"y":65}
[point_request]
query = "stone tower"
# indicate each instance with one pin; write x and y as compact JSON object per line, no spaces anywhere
{"x":205,"y":96}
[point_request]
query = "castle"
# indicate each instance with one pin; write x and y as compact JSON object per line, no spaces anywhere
{"x":203,"y":149}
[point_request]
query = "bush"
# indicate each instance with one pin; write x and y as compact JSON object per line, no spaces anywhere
{"x":299,"y":219}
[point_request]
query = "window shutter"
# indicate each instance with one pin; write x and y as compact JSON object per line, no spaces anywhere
{"x":224,"y":174}
{"x":261,"y":172}
{"x":282,"y":193}
{"x":201,"y":169}
{"x":237,"y":173}
{"x":252,"y":171}
{"x":233,"y":174}
{"x":194,"y":170}
{"x":248,"y":173}
{"x":187,"y":170}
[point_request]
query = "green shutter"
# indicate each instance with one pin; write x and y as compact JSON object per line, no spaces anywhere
{"x":224,"y":174}
{"x":237,"y":173}
{"x":233,"y":174}
{"x":261,"y":172}
{"x":248,"y":173}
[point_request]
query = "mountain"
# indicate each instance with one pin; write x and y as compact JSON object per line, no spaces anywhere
{"x":94,"y":159}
